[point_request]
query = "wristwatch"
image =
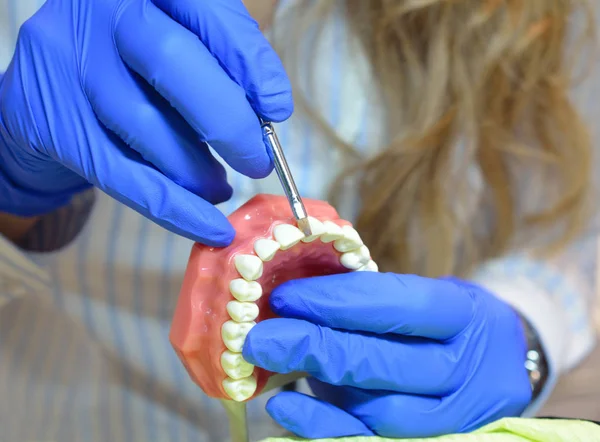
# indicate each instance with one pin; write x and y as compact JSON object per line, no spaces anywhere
{"x":536,"y":363}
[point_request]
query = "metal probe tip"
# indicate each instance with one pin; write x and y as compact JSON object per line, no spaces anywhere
{"x":285,"y":177}
{"x":304,"y":226}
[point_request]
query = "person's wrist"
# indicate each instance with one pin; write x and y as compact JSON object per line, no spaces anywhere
{"x":15,"y":228}
{"x":536,"y":362}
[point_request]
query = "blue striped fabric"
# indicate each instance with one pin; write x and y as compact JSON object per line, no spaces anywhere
{"x":84,"y":350}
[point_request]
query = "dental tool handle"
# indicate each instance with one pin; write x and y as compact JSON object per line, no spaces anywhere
{"x":238,"y":420}
{"x":285,"y":176}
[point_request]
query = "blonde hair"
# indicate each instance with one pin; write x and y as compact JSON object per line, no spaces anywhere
{"x":488,"y":77}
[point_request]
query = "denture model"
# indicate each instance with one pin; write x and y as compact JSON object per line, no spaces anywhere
{"x":225,"y":291}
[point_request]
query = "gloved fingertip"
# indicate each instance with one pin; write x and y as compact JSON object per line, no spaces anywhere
{"x":248,"y":351}
{"x":221,"y":234}
{"x":280,"y":406}
{"x":223,"y":240}
{"x":244,"y":148}
{"x":271,"y":345}
{"x":214,"y":239}
{"x":278,"y":301}
{"x":288,"y":410}
{"x":312,"y":418}
{"x":275,"y":108}
{"x":259,"y":349}
{"x":289,"y":298}
{"x":260,"y":169}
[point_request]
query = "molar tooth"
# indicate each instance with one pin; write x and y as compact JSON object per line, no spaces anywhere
{"x":371,"y":266}
{"x":242,"y":311}
{"x":234,"y":334}
{"x":332,"y":232}
{"x":266,"y":249}
{"x":287,"y":235}
{"x":240,"y":389}
{"x":235,"y":366}
{"x":356,"y":259}
{"x":350,"y":241}
{"x":317,"y":229}
{"x":249,"y":266}
{"x":245,"y":291}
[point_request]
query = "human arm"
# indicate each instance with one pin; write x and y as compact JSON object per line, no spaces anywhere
{"x":392,"y":355}
{"x":85,"y":102}
{"x":557,"y":295}
{"x":311,"y":338}
{"x":53,"y":231}
{"x":14,"y":228}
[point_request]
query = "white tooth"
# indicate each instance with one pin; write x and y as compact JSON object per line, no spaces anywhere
{"x":245,"y":291}
{"x":235,"y":366}
{"x":371,"y":266}
{"x":266,"y":249}
{"x":350,"y":241}
{"x":241,"y":389}
{"x":332,"y":232}
{"x":234,"y":334}
{"x":242,"y":311}
{"x":316,"y":228}
{"x":356,"y":259}
{"x":287,"y":235}
{"x":249,"y":266}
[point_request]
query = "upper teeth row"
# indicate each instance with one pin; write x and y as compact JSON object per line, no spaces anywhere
{"x":240,"y":384}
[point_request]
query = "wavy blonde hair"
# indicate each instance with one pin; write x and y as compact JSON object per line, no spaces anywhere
{"x":488,"y":76}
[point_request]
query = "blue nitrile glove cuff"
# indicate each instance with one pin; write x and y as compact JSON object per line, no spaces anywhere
{"x":17,"y":170}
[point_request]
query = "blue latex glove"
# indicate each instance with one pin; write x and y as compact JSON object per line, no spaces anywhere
{"x":126,"y":95}
{"x":392,"y":355}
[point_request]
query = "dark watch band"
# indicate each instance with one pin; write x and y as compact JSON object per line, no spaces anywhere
{"x":536,"y":363}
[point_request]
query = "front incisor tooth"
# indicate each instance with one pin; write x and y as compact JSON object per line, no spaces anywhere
{"x":287,"y":235}
{"x":249,"y":266}
{"x":240,"y":389}
{"x":332,"y":232}
{"x":317,"y":229}
{"x":356,"y":259}
{"x":234,"y":334}
{"x":266,"y":249}
{"x":235,"y":366}
{"x":350,"y":241}
{"x":242,"y":311}
{"x":245,"y":291}
{"x":371,"y":266}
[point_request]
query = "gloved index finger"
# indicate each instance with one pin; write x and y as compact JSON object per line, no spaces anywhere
{"x":233,"y":37}
{"x":378,"y":303}
{"x":182,"y":70}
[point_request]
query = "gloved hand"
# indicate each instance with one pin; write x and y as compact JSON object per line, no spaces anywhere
{"x":126,"y":95}
{"x":392,"y":355}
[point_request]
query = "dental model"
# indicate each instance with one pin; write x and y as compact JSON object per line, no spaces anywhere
{"x":225,"y":291}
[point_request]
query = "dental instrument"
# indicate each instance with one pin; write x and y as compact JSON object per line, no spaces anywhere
{"x":285,"y":177}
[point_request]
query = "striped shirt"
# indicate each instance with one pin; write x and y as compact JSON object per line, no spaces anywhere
{"x":87,"y":299}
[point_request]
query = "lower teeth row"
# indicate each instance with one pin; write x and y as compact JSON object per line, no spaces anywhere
{"x":240,"y":384}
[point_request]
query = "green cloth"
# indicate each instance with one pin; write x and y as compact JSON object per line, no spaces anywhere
{"x":505,"y":430}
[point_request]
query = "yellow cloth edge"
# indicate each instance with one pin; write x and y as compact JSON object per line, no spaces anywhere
{"x":505,"y":430}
